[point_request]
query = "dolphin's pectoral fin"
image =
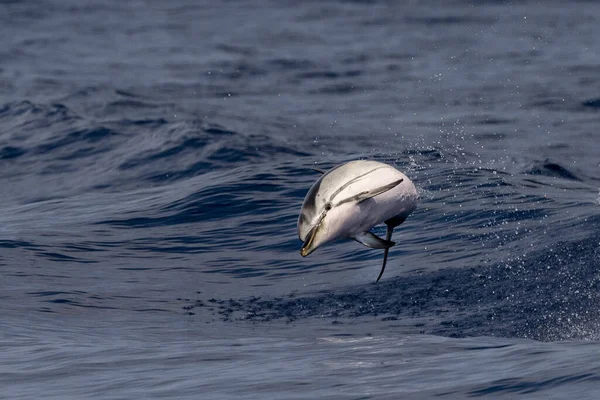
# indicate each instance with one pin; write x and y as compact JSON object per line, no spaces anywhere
{"x":370,"y":240}
{"x":318,"y":170}
{"x":367,"y":194}
{"x":388,"y":237}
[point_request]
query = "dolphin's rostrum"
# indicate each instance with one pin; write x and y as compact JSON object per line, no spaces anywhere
{"x":350,"y":199}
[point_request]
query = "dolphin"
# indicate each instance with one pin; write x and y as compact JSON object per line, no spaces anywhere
{"x":350,"y":199}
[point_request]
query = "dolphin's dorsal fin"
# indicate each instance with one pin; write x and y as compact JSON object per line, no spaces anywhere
{"x":370,"y":240}
{"x":367,"y":194}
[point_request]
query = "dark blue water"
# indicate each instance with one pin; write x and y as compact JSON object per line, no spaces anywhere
{"x":154,"y":157}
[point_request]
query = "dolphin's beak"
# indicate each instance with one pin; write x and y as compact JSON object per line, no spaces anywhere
{"x":307,"y":247}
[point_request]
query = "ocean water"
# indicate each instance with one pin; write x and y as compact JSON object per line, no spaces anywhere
{"x":154,"y":157}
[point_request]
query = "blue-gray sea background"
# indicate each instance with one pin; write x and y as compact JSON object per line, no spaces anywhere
{"x":154,"y":157}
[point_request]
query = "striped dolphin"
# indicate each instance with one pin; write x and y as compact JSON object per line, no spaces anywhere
{"x":350,"y":199}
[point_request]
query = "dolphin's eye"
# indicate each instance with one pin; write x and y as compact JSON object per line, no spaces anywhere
{"x":327,"y":206}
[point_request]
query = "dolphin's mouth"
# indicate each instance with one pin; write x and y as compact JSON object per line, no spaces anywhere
{"x":307,"y":247}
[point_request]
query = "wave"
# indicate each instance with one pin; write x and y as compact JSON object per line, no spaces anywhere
{"x":551,"y":294}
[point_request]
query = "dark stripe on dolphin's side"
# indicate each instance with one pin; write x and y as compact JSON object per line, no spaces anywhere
{"x":351,"y":181}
